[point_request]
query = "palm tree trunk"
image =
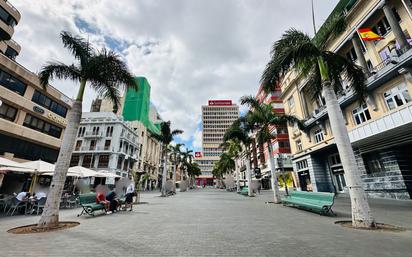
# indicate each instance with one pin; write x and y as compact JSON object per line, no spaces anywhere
{"x":249,"y":177}
{"x":237,"y":179}
{"x":164,"y":176}
{"x":174,"y":178}
{"x":50,"y":215}
{"x":361,"y":213}
{"x":274,"y":179}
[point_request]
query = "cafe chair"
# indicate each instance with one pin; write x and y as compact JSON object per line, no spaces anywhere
{"x":16,"y":205}
{"x":39,"y":205}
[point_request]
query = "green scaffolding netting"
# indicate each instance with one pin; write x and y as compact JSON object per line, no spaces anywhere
{"x":137,"y":105}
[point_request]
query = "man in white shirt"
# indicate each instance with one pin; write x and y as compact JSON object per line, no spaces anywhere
{"x":22,"y":196}
{"x":40,"y":195}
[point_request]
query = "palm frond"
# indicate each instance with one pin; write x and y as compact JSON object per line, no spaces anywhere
{"x":60,"y":71}
{"x":80,"y":49}
{"x":177,"y":132}
{"x":250,"y":101}
{"x":342,"y":68}
{"x":333,"y":27}
{"x":106,"y":67}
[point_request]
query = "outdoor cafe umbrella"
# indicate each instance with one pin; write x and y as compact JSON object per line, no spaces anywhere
{"x":40,"y":167}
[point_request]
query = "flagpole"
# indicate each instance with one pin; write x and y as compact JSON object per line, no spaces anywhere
{"x":313,"y":19}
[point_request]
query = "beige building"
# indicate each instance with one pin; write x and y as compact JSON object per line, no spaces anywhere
{"x":217,"y":117}
{"x":380,"y":129}
{"x":32,"y":118}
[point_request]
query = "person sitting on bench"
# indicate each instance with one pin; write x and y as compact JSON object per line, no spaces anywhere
{"x":101,"y":199}
{"x":114,"y":201}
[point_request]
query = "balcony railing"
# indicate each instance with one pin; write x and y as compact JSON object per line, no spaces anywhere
{"x":93,"y":134}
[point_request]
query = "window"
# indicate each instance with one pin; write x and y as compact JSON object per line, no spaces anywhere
{"x":373,"y":163}
{"x":284,"y":144}
{"x":87,"y":161}
{"x":119,"y":163}
{"x":42,"y":126}
{"x":291,"y":103}
{"x":82,"y":130}
{"x":334,"y":159}
{"x":92,"y":144}
{"x":397,"y":96}
{"x":74,"y":161}
{"x":299,"y":146}
{"x":11,"y":83}
{"x":109,"y":131}
{"x":78,"y":145}
{"x":107,"y":145}
{"x":361,"y":114}
{"x":318,"y":135}
{"x":103,"y":161}
{"x":7,"y":112}
{"x":301,"y":165}
{"x":49,"y":104}
{"x":351,"y":55}
{"x":382,"y":27}
{"x":11,"y":53}
{"x":7,"y":18}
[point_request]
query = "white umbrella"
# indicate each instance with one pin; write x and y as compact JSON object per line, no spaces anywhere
{"x":16,"y":169}
{"x":82,"y":171}
{"x":40,"y":166}
{"x":9,"y":163}
{"x":107,"y":174}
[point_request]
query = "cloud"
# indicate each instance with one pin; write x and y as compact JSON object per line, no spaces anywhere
{"x":190,"y":51}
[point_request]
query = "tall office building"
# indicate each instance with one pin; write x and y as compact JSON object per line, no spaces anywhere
{"x":32,"y":118}
{"x":217,"y":117}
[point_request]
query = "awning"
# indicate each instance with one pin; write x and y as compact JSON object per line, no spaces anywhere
{"x":4,"y":170}
{"x":39,"y":166}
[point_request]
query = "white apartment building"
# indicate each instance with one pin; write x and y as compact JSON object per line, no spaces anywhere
{"x":106,"y":142}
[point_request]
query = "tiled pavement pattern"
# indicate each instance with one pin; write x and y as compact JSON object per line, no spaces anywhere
{"x":214,"y":223}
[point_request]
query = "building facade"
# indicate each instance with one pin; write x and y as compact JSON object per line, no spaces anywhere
{"x":380,"y":129}
{"x":32,"y":118}
{"x":135,"y":108}
{"x":280,"y":142}
{"x":217,"y":117}
{"x":106,"y":142}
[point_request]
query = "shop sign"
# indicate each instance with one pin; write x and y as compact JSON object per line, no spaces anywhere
{"x":38,"y":109}
{"x":57,"y":119}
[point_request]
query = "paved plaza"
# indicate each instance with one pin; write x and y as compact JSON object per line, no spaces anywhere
{"x":214,"y":223}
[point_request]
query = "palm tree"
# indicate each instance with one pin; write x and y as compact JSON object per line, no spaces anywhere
{"x":165,"y":138}
{"x":106,"y":73}
{"x":263,"y":120}
{"x":193,"y":170}
{"x":225,"y":165}
{"x":187,"y":158}
{"x":234,"y":149}
{"x":175,"y":158}
{"x":324,"y":70}
{"x":239,"y":131}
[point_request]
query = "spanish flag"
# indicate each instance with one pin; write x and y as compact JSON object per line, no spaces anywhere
{"x":368,"y":35}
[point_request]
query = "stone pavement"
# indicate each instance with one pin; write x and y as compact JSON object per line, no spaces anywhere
{"x":214,"y":223}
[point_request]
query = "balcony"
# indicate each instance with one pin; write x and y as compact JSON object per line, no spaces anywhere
{"x":391,"y":129}
{"x":88,"y":149}
{"x":91,"y":134}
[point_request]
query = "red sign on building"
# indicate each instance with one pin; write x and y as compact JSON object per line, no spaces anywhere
{"x":198,"y":154}
{"x":220,"y":102}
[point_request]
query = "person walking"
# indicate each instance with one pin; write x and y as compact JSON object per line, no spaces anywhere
{"x":129,"y":196}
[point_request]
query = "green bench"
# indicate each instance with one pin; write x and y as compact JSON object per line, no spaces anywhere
{"x":245,"y":191}
{"x":88,"y":202}
{"x":314,"y":201}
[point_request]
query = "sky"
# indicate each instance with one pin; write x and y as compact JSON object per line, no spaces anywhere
{"x":189,"y":50}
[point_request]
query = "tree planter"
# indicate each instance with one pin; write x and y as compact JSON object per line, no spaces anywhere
{"x":34,"y":228}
